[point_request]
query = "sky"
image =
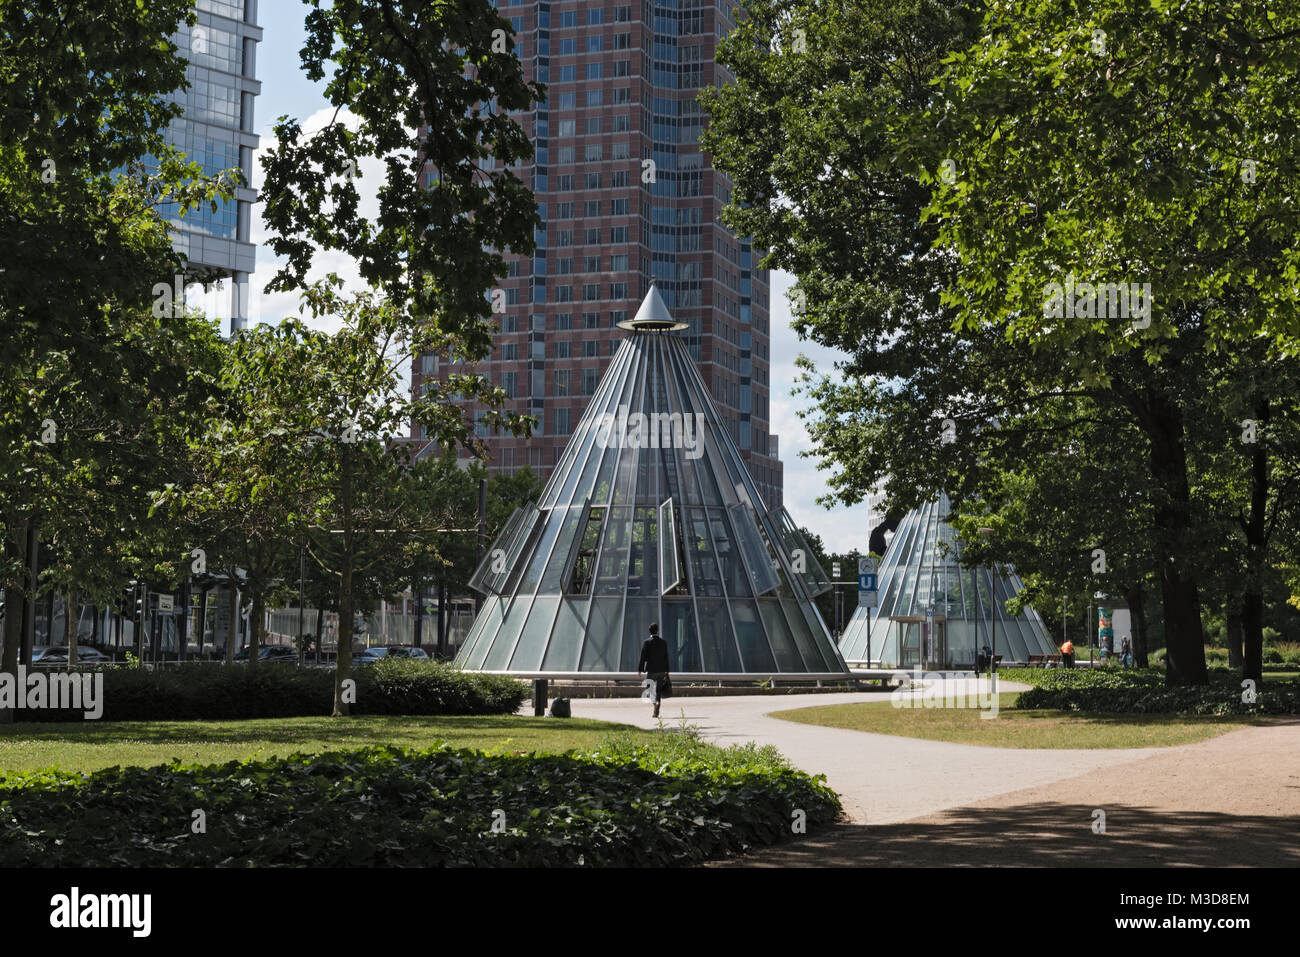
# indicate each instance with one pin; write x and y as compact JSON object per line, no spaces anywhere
{"x":285,"y":90}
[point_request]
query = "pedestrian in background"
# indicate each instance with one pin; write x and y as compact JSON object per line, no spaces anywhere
{"x":1067,"y":653}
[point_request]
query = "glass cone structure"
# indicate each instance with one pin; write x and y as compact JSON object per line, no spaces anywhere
{"x":650,"y":516}
{"x":915,"y":576}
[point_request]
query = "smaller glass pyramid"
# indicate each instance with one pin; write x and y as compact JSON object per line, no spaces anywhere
{"x":916,"y":577}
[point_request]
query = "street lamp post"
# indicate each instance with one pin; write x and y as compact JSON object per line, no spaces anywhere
{"x":835,"y":575}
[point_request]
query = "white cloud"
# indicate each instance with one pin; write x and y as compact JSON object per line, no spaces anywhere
{"x":841,"y":529}
{"x":273,"y":307}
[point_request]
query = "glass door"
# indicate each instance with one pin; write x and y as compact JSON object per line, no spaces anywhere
{"x":909,"y":644}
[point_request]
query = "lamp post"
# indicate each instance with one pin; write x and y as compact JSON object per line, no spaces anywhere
{"x":835,"y":576}
{"x":993,"y":621}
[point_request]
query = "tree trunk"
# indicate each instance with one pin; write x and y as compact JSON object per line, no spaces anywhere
{"x":1233,"y":625}
{"x":446,"y":621}
{"x":15,"y":602}
{"x":255,"y":617}
{"x":1252,"y":605}
{"x":440,"y":644}
{"x":320,"y":629}
{"x":70,"y":627}
{"x":1252,"y":627}
{"x":49,"y":619}
{"x":344,"y":656}
{"x":1136,"y":598}
{"x":1184,"y":638}
{"x":232,"y":628}
{"x":137,"y":642}
{"x":201,"y":621}
{"x":15,"y":612}
{"x":183,"y":624}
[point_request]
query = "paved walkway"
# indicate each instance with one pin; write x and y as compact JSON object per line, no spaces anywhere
{"x":880,"y":778}
{"x":1229,"y":801}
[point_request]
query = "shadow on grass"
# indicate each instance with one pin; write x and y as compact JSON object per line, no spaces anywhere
{"x":377,"y":729}
{"x":1047,"y":834}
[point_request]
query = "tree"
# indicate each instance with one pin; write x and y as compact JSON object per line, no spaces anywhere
{"x":929,"y":176}
{"x":248,"y":464}
{"x":366,"y":501}
{"x":429,"y":85}
{"x":86,"y":95}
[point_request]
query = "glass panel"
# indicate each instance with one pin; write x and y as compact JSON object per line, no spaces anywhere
{"x":611,"y":562}
{"x":643,"y":559}
{"x":601,"y":648}
{"x":802,"y":560}
{"x":803,"y":636}
{"x":532,"y":643}
{"x":717,"y":641}
{"x":640,"y":613}
{"x":699,"y":551}
{"x":491,"y":572}
{"x":481,"y":634}
{"x":583,"y":561}
{"x":750,"y":543}
{"x":779,"y":635}
{"x":557,"y":565}
{"x":755,"y":653}
{"x":540,"y":555}
{"x":562,"y":654}
{"x":678,"y":629}
{"x":735,"y":577}
{"x":671,"y":573}
{"x":504,"y":644}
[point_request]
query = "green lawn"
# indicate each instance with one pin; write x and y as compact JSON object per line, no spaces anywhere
{"x":1021,"y":729}
{"x":90,"y":745}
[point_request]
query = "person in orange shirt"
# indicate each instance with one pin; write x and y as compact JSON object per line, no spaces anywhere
{"x":1067,"y":653}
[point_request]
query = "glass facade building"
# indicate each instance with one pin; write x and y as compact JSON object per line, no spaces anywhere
{"x":650,"y":515}
{"x":217,"y":130}
{"x":921,"y":573}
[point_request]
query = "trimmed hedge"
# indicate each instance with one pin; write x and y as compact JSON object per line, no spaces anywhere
{"x":1143,"y":692}
{"x":273,"y":690}
{"x":383,"y":806}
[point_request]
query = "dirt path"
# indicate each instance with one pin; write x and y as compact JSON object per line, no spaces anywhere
{"x":1233,"y":800}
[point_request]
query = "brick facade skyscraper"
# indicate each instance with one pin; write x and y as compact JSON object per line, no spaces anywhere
{"x":628,"y":199}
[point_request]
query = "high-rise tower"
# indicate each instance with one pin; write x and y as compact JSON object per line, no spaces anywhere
{"x":217,"y":131}
{"x":628,"y":199}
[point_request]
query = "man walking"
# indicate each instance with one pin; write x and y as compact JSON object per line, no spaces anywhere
{"x":654,"y":661}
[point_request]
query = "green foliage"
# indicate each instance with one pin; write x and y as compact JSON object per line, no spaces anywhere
{"x":404,"y":686}
{"x":421,"y":87}
{"x":623,"y":806}
{"x":928,"y":169}
{"x":1143,"y":691}
{"x":274,"y":690}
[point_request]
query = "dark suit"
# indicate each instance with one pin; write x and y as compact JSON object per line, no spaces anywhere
{"x":654,"y":656}
{"x":654,"y":662}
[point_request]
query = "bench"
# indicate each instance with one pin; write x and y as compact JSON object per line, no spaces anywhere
{"x":1044,"y":661}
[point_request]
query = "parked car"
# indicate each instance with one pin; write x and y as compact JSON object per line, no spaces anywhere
{"x":281,"y":653}
{"x":370,"y":656}
{"x":86,"y":655}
